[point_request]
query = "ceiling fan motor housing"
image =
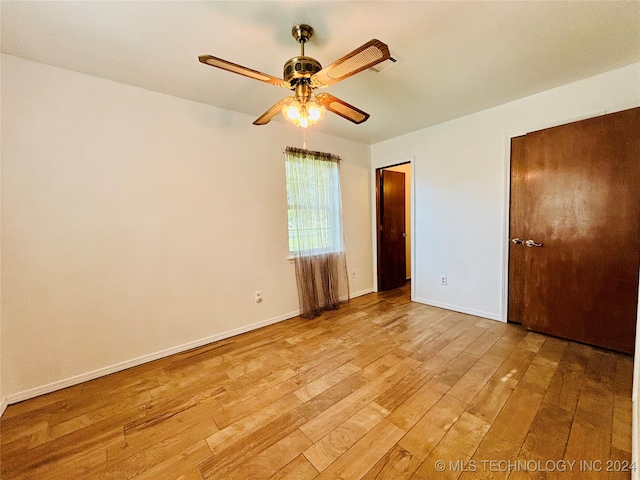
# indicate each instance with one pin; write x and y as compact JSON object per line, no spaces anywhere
{"x":300,"y":67}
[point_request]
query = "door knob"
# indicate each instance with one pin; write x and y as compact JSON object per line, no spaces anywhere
{"x":404,"y":235}
{"x":517,"y":241}
{"x":531,"y":243}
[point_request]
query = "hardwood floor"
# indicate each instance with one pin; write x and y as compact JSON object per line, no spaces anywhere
{"x":381,"y":389}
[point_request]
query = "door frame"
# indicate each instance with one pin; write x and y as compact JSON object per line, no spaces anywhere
{"x":374,"y":213}
{"x":507,"y":195}
{"x":380,"y":189}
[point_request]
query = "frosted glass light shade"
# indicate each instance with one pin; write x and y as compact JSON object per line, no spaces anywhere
{"x":302,"y":114}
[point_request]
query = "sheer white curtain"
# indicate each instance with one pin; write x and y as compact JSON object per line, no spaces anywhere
{"x":315,"y":229}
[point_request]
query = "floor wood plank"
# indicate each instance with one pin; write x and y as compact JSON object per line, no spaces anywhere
{"x":326,"y":450}
{"x":382,"y":388}
{"x":458,"y":445}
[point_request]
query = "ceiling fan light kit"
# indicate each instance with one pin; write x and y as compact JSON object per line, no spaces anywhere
{"x":302,"y":114}
{"x":303,"y":74}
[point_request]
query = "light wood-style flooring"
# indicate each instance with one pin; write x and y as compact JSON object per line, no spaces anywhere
{"x":383,"y":388}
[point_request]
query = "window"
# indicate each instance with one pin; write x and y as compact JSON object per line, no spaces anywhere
{"x":314,"y":204}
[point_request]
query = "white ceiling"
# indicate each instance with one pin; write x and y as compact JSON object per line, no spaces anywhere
{"x":457,"y":57}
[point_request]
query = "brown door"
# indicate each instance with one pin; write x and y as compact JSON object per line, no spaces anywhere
{"x":582,"y":204}
{"x":392,"y":258}
{"x":516,"y":231}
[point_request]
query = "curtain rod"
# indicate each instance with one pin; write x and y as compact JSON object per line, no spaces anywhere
{"x":311,"y":152}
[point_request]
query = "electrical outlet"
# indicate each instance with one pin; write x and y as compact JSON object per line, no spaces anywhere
{"x":258,"y":296}
{"x":443,"y":280}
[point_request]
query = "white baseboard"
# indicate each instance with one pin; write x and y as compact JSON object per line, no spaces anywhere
{"x":3,"y":406}
{"x":456,"y":308}
{"x":361,"y":292}
{"x":101,"y":372}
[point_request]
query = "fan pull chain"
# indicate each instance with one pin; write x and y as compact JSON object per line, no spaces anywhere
{"x":304,"y":138}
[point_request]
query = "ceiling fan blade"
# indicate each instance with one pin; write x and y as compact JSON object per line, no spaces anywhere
{"x":239,"y":69}
{"x":342,"y":108}
{"x":272,"y":112}
{"x":368,"y":55}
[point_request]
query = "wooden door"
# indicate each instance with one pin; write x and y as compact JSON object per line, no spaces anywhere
{"x":392,"y":256}
{"x":515,"y":310}
{"x":582,"y":203}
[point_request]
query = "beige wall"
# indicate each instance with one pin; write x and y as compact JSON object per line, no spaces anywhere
{"x":460,"y":177}
{"x":406,"y":169}
{"x":3,"y":403}
{"x":135,"y":224}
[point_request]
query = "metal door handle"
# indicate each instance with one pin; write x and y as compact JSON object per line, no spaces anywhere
{"x":404,"y":235}
{"x":517,"y":241}
{"x":531,"y":243}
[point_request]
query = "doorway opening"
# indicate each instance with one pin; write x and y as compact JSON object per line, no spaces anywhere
{"x":393,"y":225}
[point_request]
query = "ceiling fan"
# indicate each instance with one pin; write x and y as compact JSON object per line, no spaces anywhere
{"x":304,"y":74}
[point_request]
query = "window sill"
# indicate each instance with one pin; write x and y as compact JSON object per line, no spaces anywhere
{"x":291,"y":258}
